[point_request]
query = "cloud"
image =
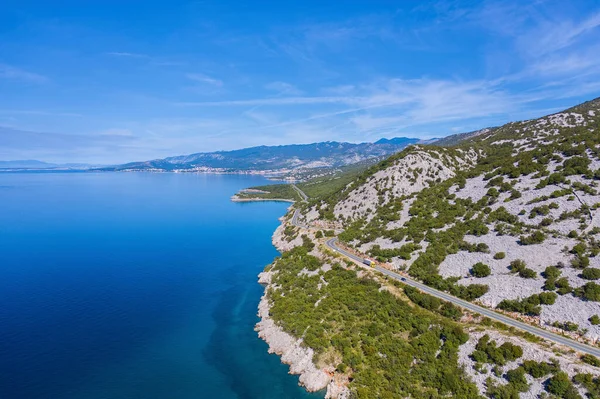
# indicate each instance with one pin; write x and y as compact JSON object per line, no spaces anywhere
{"x":201,"y":78}
{"x":267,"y":101}
{"x":283,"y":88}
{"x":13,"y":73}
{"x":126,"y":54}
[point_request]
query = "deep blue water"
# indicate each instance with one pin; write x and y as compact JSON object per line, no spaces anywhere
{"x":134,"y":285}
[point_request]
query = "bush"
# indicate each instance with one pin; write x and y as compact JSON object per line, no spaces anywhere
{"x":500,"y":255}
{"x":527,"y":273}
{"x":517,"y":265}
{"x":530,"y":305}
{"x":539,"y":370}
{"x":563,"y":286}
{"x":595,"y":320}
{"x":486,"y":351}
{"x":516,"y":378}
{"x":319,"y":234}
{"x":590,"y":359}
{"x":561,"y":386}
{"x":537,"y":237}
{"x":590,"y":273}
{"x":552,"y":272}
{"x":567,"y":326}
{"x":480,"y":270}
{"x":589,"y":292}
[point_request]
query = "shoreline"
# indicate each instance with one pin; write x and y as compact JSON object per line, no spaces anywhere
{"x":289,"y":348}
{"x":235,"y":198}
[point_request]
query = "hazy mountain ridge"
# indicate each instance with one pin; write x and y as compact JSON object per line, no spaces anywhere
{"x":275,"y":158}
{"x":32,"y":164}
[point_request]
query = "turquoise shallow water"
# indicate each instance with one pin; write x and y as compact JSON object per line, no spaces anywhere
{"x":134,"y":285}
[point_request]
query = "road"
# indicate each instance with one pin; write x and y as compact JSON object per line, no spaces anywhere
{"x":550,"y":336}
{"x":301,"y":193}
{"x":547,"y":335}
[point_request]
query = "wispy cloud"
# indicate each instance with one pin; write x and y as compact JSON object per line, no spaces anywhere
{"x":127,"y":54}
{"x":283,"y":88}
{"x":201,"y":78}
{"x":13,"y":73}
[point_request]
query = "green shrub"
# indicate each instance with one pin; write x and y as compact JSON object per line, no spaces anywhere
{"x":561,"y":386}
{"x":539,"y":370}
{"x":589,"y":292}
{"x":595,"y":320}
{"x":536,"y":237}
{"x":486,"y":351}
{"x":590,"y":273}
{"x":480,"y":270}
{"x":590,"y":359}
{"x":500,"y":255}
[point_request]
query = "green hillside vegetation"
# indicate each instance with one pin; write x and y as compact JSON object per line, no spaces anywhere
{"x":272,"y":191}
{"x":315,"y":188}
{"x":443,"y":220}
{"x":389,"y":348}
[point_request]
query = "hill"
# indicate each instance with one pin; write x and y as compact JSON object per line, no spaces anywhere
{"x":508,"y":217}
{"x":275,"y":159}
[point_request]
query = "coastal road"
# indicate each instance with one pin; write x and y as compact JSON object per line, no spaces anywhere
{"x":547,"y":335}
{"x":295,"y":221}
{"x":301,"y":193}
{"x":550,"y":336}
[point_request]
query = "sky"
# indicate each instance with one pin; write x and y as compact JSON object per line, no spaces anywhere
{"x":108,"y":81}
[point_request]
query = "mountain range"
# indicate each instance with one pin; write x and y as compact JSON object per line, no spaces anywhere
{"x":276,"y":159}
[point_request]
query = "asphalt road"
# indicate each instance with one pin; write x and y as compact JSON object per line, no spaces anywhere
{"x":332,"y":243}
{"x":302,"y":194}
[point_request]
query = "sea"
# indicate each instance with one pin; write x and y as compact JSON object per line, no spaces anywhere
{"x":135,"y":286}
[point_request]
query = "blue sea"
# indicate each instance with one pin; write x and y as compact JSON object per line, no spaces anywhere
{"x":134,"y":286}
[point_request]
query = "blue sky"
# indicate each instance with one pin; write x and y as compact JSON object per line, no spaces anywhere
{"x":109,"y":82}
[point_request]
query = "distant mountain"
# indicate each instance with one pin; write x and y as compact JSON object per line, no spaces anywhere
{"x":40,"y":165}
{"x":277,"y":159}
{"x":26,"y":164}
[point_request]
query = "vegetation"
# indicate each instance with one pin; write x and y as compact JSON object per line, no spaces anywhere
{"x":590,"y":273}
{"x":486,"y":351}
{"x":540,"y":369}
{"x":560,"y":385}
{"x":272,"y":191}
{"x":390,"y":348}
{"x":530,"y":305}
{"x":519,"y":266}
{"x":480,"y":270}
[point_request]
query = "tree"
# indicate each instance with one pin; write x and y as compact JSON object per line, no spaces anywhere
{"x":561,"y":386}
{"x":480,"y":270}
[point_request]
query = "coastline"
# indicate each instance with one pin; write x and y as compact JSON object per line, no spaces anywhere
{"x":289,"y":348}
{"x":235,"y":198}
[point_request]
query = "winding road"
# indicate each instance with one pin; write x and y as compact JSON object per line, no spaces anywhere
{"x":550,"y":336}
{"x":301,"y":193}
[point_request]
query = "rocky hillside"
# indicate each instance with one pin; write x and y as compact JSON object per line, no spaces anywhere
{"x":508,"y":217}
{"x":275,"y":159}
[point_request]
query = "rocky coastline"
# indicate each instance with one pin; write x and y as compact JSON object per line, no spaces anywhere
{"x":289,"y":348}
